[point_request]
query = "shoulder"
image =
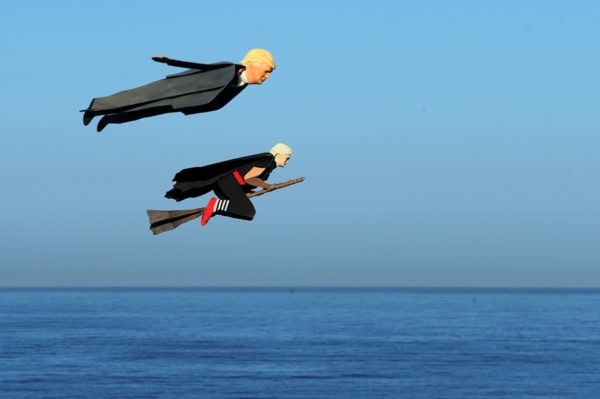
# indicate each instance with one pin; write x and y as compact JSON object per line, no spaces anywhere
{"x":263,"y":160}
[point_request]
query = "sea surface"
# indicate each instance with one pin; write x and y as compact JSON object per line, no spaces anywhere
{"x":299,"y":343}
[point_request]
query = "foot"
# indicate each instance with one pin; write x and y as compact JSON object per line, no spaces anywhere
{"x":208,"y":212}
{"x":87,"y":118}
{"x":102,"y":124}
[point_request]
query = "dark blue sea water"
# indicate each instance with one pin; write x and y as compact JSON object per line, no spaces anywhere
{"x":299,"y":343}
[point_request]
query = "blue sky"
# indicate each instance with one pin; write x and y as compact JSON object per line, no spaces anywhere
{"x":443,"y":144}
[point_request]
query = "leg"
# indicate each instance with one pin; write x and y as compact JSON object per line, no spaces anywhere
{"x":239,"y":205}
{"x":128,"y":116}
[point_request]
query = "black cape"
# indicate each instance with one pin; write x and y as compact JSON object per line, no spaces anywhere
{"x":194,"y":182}
{"x":206,"y":87}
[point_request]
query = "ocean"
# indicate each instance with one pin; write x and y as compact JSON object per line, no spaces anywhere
{"x":299,"y":343}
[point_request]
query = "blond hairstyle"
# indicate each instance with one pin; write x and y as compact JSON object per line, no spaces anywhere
{"x":259,"y":55}
{"x":282,"y":149}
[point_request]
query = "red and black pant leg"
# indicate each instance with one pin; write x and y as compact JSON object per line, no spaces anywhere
{"x":230,"y":188}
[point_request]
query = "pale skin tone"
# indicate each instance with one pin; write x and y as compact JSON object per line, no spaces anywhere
{"x":257,"y":73}
{"x":252,"y":176}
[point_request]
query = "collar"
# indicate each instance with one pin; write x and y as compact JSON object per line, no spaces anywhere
{"x":242,"y":79}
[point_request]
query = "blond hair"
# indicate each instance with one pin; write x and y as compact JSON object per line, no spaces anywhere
{"x":282,"y":149}
{"x":259,"y":55}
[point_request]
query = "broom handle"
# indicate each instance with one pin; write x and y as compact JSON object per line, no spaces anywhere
{"x":261,"y":192}
{"x":277,"y":186}
{"x":160,"y":224}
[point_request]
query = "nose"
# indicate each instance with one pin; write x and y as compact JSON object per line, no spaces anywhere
{"x":267,"y":75}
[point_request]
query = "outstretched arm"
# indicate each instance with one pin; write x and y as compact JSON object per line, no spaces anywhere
{"x":187,"y":64}
{"x":252,"y":178}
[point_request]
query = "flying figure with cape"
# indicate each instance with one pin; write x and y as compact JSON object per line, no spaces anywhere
{"x":232,"y":182}
{"x":202,"y":88}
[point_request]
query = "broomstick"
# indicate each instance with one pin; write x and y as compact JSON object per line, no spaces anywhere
{"x":161,"y":221}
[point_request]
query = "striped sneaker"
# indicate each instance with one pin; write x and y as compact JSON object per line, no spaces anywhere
{"x":208,"y":212}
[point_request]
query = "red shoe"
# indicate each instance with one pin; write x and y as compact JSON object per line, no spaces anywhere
{"x":210,"y":208}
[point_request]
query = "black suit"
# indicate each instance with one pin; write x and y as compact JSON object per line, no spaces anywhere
{"x":205,"y":88}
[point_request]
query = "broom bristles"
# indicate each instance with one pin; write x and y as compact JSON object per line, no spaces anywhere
{"x":161,"y":221}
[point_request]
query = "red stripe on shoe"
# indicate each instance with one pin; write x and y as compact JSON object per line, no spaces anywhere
{"x":239,"y":178}
{"x":210,"y":208}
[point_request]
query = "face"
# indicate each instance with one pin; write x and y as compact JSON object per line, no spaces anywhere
{"x":257,"y":73}
{"x":282,"y":160}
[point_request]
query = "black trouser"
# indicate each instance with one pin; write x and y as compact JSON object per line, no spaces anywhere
{"x":128,"y":116}
{"x":240,"y":206}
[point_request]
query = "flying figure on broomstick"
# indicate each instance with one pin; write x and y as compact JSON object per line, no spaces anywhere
{"x":232,"y":182}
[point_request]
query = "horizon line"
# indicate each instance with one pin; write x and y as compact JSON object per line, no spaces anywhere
{"x":288,"y":287}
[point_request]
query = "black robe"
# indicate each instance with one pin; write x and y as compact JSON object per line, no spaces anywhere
{"x":194,"y":182}
{"x":206,"y":87}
